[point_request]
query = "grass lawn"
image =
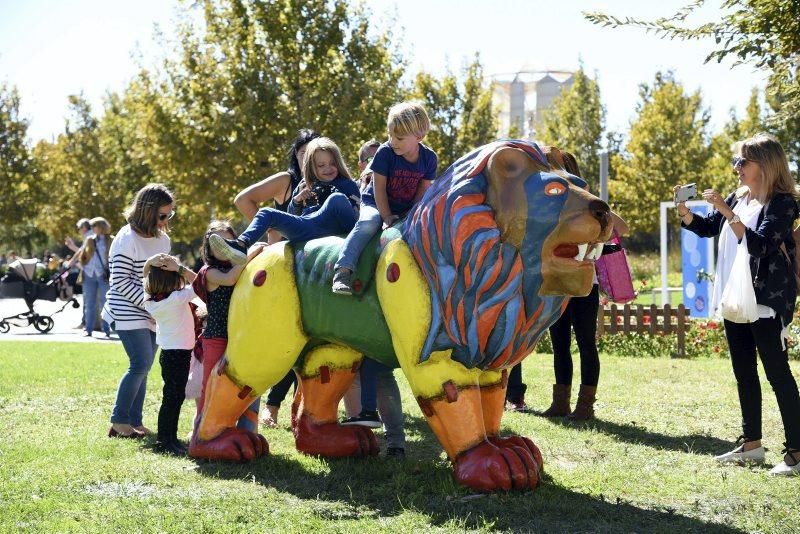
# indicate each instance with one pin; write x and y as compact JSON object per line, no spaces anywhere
{"x":644,"y":466}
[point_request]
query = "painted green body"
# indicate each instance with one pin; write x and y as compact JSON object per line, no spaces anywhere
{"x":355,"y":321}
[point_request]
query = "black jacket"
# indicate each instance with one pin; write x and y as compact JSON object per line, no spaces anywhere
{"x":773,"y":273}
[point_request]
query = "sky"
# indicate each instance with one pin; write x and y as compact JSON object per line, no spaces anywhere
{"x":49,"y":50}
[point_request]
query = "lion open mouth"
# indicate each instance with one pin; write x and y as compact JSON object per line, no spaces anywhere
{"x":582,"y":252}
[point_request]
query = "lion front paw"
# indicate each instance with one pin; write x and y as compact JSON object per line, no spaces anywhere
{"x":333,"y":440}
{"x":488,"y":467}
{"x":233,"y":445}
{"x":522,"y":442}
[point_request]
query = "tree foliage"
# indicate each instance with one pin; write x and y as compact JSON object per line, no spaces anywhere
{"x":20,"y":197}
{"x":461,"y":111}
{"x":666,"y":147}
{"x":576,"y":123}
{"x":764,"y":33}
{"x":218,"y":110}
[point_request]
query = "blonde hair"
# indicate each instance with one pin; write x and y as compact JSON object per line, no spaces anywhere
{"x":142,"y":214}
{"x":322,"y":144}
{"x":768,"y":153}
{"x":102,"y":223}
{"x":408,"y":118}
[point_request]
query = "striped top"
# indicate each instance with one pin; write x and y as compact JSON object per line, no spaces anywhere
{"x":128,"y":254}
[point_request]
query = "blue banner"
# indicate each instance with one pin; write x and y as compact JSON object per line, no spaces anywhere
{"x":698,"y":266}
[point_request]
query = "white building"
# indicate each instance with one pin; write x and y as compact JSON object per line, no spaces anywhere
{"x":523,"y":97}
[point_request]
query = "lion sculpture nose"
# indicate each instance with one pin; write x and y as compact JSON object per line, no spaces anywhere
{"x":601,"y":212}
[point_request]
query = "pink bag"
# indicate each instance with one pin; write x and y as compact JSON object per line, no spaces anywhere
{"x":614,"y":274}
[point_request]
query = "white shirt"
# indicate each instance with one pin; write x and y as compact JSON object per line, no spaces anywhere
{"x":175,"y":324}
{"x":748,"y":211}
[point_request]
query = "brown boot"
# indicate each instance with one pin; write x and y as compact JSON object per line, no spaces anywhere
{"x":584,"y":408}
{"x":560,"y":405}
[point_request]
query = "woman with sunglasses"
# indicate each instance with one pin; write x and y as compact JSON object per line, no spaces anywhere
{"x":762,"y":213}
{"x":143,"y":237}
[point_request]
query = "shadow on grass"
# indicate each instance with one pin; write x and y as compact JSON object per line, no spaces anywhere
{"x":353,"y":489}
{"x":694,"y":443}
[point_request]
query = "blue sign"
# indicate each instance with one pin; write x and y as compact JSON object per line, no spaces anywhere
{"x":698,"y":267}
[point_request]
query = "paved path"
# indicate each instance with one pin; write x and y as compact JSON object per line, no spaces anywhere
{"x":64,"y":323}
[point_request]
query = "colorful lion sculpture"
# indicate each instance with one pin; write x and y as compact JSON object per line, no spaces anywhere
{"x":483,"y":265}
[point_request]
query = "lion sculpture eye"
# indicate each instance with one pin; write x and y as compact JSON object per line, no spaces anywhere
{"x":554,"y":189}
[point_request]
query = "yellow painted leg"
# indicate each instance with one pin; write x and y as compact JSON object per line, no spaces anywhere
{"x":450,"y":395}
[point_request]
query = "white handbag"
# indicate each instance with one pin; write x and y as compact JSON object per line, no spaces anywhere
{"x":738,"y":303}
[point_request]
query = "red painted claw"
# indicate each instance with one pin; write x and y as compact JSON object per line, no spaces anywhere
{"x":487,"y":467}
{"x":332,"y":440}
{"x":233,"y":445}
{"x":520,"y":441}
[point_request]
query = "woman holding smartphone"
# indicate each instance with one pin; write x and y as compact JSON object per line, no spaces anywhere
{"x":762,"y":213}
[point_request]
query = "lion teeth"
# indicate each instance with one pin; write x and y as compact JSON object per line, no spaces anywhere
{"x":582,"y":248}
{"x":595,"y":252}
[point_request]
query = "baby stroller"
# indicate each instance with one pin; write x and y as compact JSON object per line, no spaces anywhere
{"x":20,"y":283}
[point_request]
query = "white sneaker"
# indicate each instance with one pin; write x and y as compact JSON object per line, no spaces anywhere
{"x":739,"y":456}
{"x":785,"y":470}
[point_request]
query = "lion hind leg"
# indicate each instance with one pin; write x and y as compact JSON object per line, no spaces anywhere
{"x":325,"y":376}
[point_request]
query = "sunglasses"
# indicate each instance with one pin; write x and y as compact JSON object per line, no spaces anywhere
{"x":367,"y":160}
{"x":166,"y":216}
{"x":738,"y":161}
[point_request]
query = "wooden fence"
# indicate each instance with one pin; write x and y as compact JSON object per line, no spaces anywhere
{"x":645,"y":320}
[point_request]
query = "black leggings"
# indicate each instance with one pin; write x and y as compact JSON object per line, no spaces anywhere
{"x":581,"y":316}
{"x":175,"y":372}
{"x":278,"y":392}
{"x":764,"y":336}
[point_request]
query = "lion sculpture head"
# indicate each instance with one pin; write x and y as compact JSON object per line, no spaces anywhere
{"x":502,"y":238}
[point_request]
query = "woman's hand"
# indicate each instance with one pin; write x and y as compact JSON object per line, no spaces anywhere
{"x":680,"y":205}
{"x":168,"y":263}
{"x":715,"y":199}
{"x":304,"y":194}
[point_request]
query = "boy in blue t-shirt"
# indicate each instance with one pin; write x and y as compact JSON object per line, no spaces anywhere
{"x":402,"y":170}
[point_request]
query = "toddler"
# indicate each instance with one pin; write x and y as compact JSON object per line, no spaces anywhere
{"x":167,"y":299}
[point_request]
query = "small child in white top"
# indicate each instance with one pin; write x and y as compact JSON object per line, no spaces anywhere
{"x":167,"y":296}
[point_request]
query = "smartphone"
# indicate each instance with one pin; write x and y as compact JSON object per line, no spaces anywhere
{"x":686,"y":192}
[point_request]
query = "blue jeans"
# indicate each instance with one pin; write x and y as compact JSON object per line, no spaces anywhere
{"x":140,"y":345}
{"x":94,"y":297}
{"x":369,"y":223}
{"x":389,"y":406}
{"x":336,"y":216}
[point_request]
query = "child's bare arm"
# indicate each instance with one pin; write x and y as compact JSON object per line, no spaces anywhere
{"x":382,"y":199}
{"x":218,"y":278}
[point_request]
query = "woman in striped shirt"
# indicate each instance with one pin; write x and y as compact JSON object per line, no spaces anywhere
{"x":144,"y":236}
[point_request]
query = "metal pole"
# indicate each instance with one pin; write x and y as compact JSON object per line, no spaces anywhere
{"x":604,"y":176}
{"x":664,"y":289}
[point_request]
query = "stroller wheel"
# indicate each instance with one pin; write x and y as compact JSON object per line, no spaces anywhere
{"x":43,"y":324}
{"x":4,"y":327}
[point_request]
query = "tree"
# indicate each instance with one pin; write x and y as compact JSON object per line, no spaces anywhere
{"x":225,"y":104}
{"x":461,"y":111}
{"x":576,"y":123}
{"x":719,"y":174}
{"x":21,"y":196}
{"x":764,"y":33}
{"x":666,"y":147}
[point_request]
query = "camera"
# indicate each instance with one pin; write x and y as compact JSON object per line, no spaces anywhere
{"x":686,"y":192}
{"x":321,"y":192}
